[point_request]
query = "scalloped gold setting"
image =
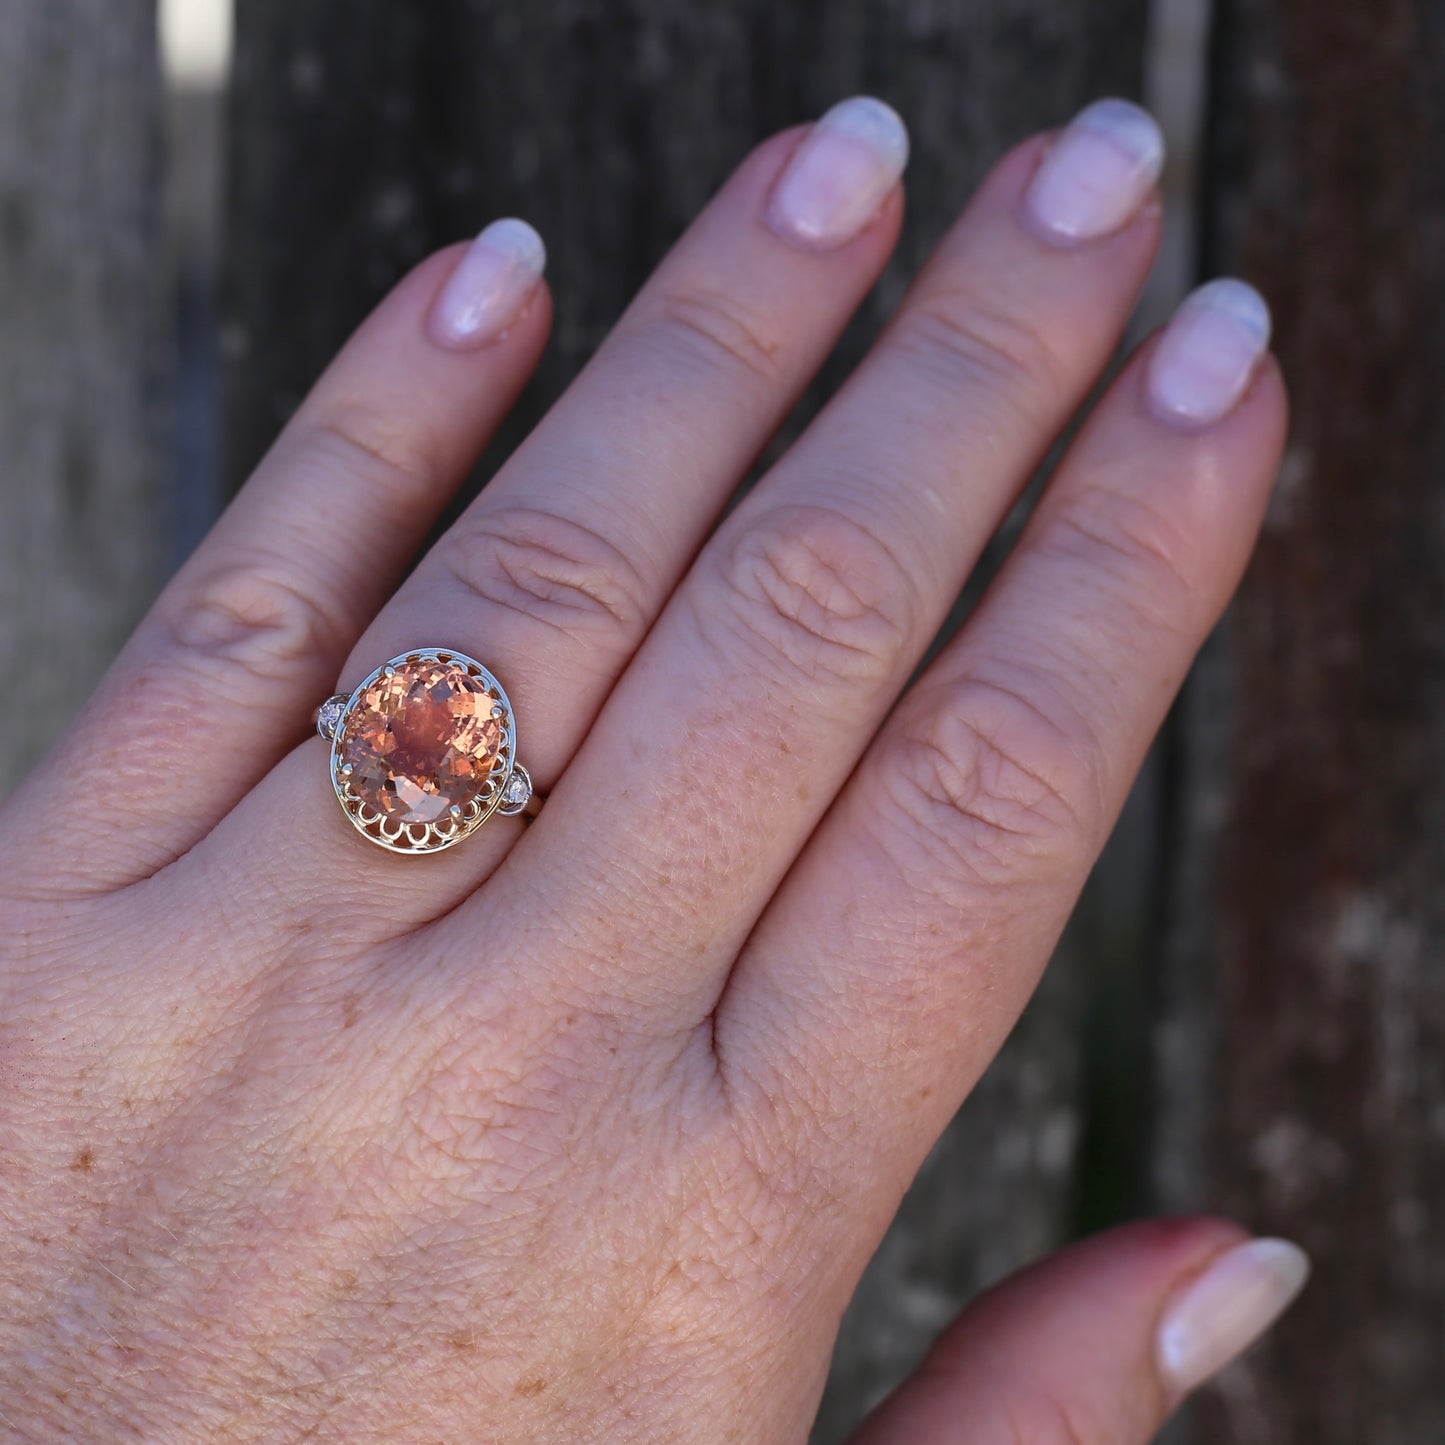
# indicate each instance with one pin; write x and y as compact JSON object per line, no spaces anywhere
{"x":463,"y":769}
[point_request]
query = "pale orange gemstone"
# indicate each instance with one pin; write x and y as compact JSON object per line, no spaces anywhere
{"x":421,"y":741}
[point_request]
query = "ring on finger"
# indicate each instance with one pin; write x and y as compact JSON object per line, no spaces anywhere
{"x":424,"y":751}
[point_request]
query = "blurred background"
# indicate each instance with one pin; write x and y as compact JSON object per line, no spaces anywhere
{"x":1248,"y":1014}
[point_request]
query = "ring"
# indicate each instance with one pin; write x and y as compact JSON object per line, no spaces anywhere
{"x":425,"y":751}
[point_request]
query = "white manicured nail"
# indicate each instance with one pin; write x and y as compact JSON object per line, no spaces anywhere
{"x":1203,"y":362}
{"x":1217,"y":1316}
{"x":490,"y":285}
{"x":1098,"y":172}
{"x":840,"y":174}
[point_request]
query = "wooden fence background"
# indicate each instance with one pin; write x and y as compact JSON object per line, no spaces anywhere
{"x":1249,"y":1013}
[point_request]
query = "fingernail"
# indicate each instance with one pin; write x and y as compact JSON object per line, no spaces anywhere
{"x":1098,"y":172}
{"x":1226,"y":1309}
{"x":840,"y":174}
{"x":1203,"y":362}
{"x":490,"y":285}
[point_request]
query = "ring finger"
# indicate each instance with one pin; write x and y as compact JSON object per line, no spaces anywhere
{"x":554,"y":575}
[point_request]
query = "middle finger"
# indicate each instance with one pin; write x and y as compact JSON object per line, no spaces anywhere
{"x":777,"y":659}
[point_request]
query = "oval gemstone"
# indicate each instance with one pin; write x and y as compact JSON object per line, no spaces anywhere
{"x":421,"y":741}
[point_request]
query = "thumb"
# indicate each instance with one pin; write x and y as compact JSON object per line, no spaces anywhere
{"x":1096,"y":1345}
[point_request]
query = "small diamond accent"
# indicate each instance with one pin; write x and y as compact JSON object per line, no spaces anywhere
{"x":328,"y":716}
{"x":517,"y":792}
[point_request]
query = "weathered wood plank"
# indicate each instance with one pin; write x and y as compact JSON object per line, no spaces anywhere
{"x":80,"y":349}
{"x":1312,"y":920}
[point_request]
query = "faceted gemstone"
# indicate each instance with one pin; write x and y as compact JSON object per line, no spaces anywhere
{"x":421,"y":741}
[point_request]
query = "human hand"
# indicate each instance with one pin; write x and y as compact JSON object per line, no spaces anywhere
{"x":586,"y":1131}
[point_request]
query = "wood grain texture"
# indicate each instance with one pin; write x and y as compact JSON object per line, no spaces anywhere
{"x":80,"y":349}
{"x":357,"y":149}
{"x":1304,"y":1034}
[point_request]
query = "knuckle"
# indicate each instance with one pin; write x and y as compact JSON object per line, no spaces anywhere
{"x":251,"y":613}
{"x":550,"y":569}
{"x":1133,"y":542}
{"x":989,"y":779}
{"x":1041,"y":1418}
{"x":258,"y":611}
{"x":809,"y":588}
{"x":388,"y":451}
{"x":970,"y":339}
{"x":721,"y":331}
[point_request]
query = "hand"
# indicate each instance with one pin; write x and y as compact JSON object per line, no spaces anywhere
{"x":585,"y":1132}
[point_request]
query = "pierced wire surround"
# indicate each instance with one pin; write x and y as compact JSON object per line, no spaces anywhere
{"x":507,"y":788}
